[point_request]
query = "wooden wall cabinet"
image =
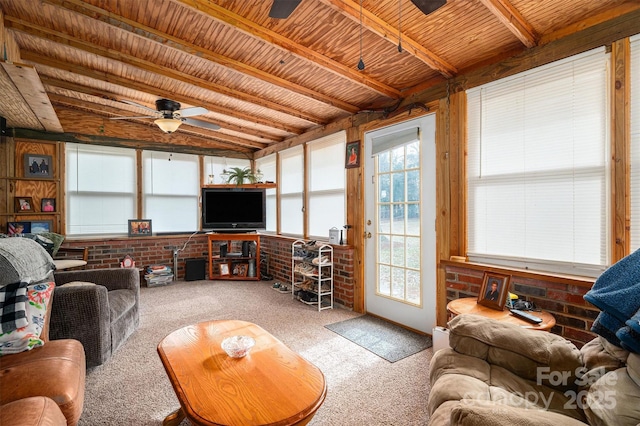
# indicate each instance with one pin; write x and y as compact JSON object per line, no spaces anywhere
{"x":17,"y":182}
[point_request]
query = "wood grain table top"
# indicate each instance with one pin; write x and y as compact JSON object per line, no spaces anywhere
{"x":272,"y":385}
{"x":469,"y":305}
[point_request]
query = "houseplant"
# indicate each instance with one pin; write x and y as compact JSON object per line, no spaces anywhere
{"x":239,"y":175}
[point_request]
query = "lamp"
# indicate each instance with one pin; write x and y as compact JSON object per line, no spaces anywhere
{"x":168,"y":125}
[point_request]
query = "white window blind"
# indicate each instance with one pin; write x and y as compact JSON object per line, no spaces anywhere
{"x":326,"y":197}
{"x":291,"y":185}
{"x":537,"y":168}
{"x":101,"y":189}
{"x":635,"y":142}
{"x":171,"y":191}
{"x":267,"y":166}
{"x":214,"y":166}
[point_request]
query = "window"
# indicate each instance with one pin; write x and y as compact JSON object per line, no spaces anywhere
{"x":635,"y":142}
{"x":291,"y":184}
{"x":537,"y":168}
{"x":267,"y":165}
{"x":326,"y":199}
{"x":171,"y":191}
{"x":101,"y":189}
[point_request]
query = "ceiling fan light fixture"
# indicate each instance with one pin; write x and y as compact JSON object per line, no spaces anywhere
{"x":168,"y":125}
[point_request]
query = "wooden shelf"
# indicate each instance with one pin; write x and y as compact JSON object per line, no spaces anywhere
{"x":246,"y":185}
{"x":216,"y":260}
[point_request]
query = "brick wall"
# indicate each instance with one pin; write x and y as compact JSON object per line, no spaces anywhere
{"x":109,"y":252}
{"x":574,"y":316}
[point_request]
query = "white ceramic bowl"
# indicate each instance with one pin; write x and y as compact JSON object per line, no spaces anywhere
{"x":237,"y":346}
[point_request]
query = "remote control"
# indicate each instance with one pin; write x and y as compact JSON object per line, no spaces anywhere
{"x":526,"y":316}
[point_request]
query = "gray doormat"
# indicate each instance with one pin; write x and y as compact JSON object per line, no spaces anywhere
{"x":388,"y":341}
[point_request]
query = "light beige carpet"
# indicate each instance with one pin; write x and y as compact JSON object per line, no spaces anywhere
{"x":131,"y":388}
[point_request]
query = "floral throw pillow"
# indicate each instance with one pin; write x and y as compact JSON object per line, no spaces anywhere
{"x":28,"y":337}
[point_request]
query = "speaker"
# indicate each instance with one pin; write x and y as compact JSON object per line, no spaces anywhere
{"x":194,"y":269}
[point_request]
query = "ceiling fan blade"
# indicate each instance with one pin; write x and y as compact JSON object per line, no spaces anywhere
{"x":127,"y":118}
{"x":140,"y":106}
{"x":200,"y":123}
{"x":428,"y":6}
{"x":190,"y":112}
{"x":281,"y":9}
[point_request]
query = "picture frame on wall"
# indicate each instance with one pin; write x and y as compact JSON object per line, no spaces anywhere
{"x":23,"y":204}
{"x":139,"y":227}
{"x":38,"y":166}
{"x":494,"y":290}
{"x":18,"y":228}
{"x":48,"y":205}
{"x":352,"y":155}
{"x":41,"y":226}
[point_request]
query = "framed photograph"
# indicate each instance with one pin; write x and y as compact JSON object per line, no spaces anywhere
{"x":41,"y":226}
{"x":352,"y":155}
{"x":48,"y":205}
{"x":494,"y":290}
{"x":224,"y":269}
{"x":241,"y":269}
{"x":139,"y":228}
{"x":23,"y":204}
{"x":17,"y":228}
{"x":38,"y":166}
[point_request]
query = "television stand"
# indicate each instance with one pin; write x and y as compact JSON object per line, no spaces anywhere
{"x":234,"y":265}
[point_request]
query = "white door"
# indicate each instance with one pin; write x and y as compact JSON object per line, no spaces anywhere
{"x":400,"y":247}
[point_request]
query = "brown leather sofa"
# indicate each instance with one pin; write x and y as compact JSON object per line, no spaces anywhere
{"x":31,"y":380}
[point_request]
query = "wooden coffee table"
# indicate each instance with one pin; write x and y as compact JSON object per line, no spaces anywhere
{"x":469,"y":305}
{"x":271,"y":385}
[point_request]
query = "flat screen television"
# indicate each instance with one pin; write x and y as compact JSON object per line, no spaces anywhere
{"x":233,"y":209}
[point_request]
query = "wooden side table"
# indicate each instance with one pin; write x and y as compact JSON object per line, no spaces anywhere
{"x":469,"y":305}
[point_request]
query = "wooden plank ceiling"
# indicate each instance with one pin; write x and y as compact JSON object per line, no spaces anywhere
{"x":262,"y":80}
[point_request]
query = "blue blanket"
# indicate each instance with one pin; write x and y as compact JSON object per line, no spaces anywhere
{"x":617,"y":293}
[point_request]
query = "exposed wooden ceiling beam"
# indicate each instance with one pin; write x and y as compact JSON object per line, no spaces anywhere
{"x":25,"y":100}
{"x":113,"y":79}
{"x":251,"y":28}
{"x":151,"y":34}
{"x":65,"y":39}
{"x":374,"y":24}
{"x":511,"y":18}
{"x":91,"y":91}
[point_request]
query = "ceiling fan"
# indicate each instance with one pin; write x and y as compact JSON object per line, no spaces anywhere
{"x":168,"y":115}
{"x":281,"y":9}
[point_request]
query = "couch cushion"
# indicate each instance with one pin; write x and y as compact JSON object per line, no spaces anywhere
{"x":28,"y":337}
{"x":483,"y":413}
{"x":614,"y":399}
{"x":55,"y":370}
{"x":120,"y":302}
{"x":500,"y":343}
{"x":33,"y":411}
{"x":22,"y":259}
